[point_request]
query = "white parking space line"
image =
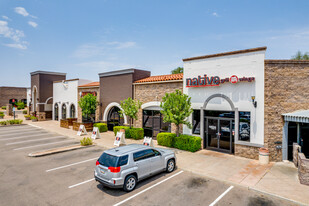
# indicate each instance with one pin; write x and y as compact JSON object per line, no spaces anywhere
{"x":81,"y":183}
{"x":33,"y":140}
{"x":19,"y":132}
{"x":35,"y":126}
{"x":14,"y":128}
{"x":41,"y":145}
{"x":222,"y":195}
{"x":141,"y":192}
{"x":13,"y":138}
{"x":57,"y":168}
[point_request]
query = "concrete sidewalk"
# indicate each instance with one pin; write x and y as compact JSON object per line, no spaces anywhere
{"x":279,"y":179}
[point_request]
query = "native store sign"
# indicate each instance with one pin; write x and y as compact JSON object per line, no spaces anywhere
{"x":210,"y":81}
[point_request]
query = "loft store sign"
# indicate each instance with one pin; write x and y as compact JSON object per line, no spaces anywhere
{"x":209,"y":81}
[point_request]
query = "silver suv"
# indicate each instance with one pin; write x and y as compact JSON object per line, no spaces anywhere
{"x":123,"y":167}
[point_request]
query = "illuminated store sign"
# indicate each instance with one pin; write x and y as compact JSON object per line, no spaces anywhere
{"x":206,"y":81}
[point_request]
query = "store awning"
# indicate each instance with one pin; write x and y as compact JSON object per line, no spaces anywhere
{"x":297,"y":116}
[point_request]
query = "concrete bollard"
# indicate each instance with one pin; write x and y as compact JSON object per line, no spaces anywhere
{"x":263,"y":156}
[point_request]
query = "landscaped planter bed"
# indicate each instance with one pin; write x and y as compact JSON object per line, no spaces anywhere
{"x":64,"y":123}
{"x":88,"y":126}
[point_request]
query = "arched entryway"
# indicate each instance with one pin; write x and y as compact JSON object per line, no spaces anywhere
{"x":218,"y":126}
{"x":153,"y":119}
{"x":114,"y":118}
{"x":64,"y":111}
{"x":34,"y":98}
{"x":72,"y":111}
{"x":56,"y":111}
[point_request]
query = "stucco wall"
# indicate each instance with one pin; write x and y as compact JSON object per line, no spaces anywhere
{"x":286,"y":90}
{"x":242,"y":65}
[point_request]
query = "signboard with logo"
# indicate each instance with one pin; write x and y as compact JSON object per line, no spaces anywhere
{"x":148,"y":141}
{"x":95,"y":133}
{"x":209,"y":81}
{"x":119,"y":139}
{"x":82,"y":130}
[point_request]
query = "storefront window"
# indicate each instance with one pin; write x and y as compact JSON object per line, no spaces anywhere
{"x":72,"y":111}
{"x":244,"y":126}
{"x":153,"y":123}
{"x":64,"y":111}
{"x":196,"y":118}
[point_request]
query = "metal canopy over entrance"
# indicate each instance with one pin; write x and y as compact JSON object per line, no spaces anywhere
{"x":295,"y":129}
{"x":217,"y":132}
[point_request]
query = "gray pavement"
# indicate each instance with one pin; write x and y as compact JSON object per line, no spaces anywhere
{"x":67,"y":178}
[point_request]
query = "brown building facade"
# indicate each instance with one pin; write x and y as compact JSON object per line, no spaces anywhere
{"x":9,"y":95}
{"x":42,"y":92}
{"x":117,"y":86}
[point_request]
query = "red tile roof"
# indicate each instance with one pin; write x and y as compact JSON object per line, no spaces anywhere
{"x":168,"y":77}
{"x":92,"y":84}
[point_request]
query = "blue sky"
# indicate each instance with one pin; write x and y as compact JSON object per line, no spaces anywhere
{"x":84,"y":38}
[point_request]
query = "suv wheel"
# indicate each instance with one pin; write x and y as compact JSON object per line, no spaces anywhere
{"x":129,"y":183}
{"x":170,"y":166}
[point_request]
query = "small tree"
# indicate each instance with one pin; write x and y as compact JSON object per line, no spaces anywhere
{"x":130,"y":108}
{"x":176,"y":108}
{"x":178,"y":70}
{"x":88,"y":104}
{"x":300,"y":56}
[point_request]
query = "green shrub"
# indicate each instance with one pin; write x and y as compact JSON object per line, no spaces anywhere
{"x":166,"y":139}
{"x":86,"y":141}
{"x":16,"y":121}
{"x":27,"y":115}
{"x":20,"y":105}
{"x":1,"y":115}
{"x":3,"y":122}
{"x":102,"y":126}
{"x":33,"y":117}
{"x":3,"y":107}
{"x":136,"y":133}
{"x":188,"y":143}
{"x":25,"y":112}
{"x":118,"y":128}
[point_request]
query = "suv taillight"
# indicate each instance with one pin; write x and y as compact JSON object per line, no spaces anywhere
{"x":97,"y":163}
{"x":114,"y":169}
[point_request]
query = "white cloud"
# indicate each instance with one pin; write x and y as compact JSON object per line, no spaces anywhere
{"x":215,"y":14}
{"x":13,"y":34}
{"x":99,"y":49}
{"x":122,"y":45}
{"x":33,"y":24}
{"x":21,"y":11}
{"x":6,"y":18}
{"x":17,"y":46}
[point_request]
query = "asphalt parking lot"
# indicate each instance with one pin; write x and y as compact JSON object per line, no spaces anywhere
{"x":67,"y":178}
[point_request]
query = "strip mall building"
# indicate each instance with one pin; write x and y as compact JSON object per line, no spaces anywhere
{"x":265,"y":100}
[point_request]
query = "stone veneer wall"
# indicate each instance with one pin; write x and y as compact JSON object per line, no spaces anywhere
{"x":286,"y":90}
{"x":247,"y":151}
{"x":79,"y":110}
{"x":153,"y":92}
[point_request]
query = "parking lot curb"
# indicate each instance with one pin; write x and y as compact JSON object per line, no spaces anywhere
{"x":57,"y":150}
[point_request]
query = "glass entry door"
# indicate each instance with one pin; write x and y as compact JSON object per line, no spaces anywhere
{"x":218,"y":134}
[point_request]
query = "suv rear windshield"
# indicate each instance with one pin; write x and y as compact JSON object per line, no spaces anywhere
{"x":108,"y":160}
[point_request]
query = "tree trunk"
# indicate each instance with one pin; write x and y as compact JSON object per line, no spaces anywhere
{"x":130,"y":119}
{"x":177,"y":130}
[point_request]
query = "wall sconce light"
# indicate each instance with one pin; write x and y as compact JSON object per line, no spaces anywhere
{"x":253,"y":101}
{"x":67,"y":102}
